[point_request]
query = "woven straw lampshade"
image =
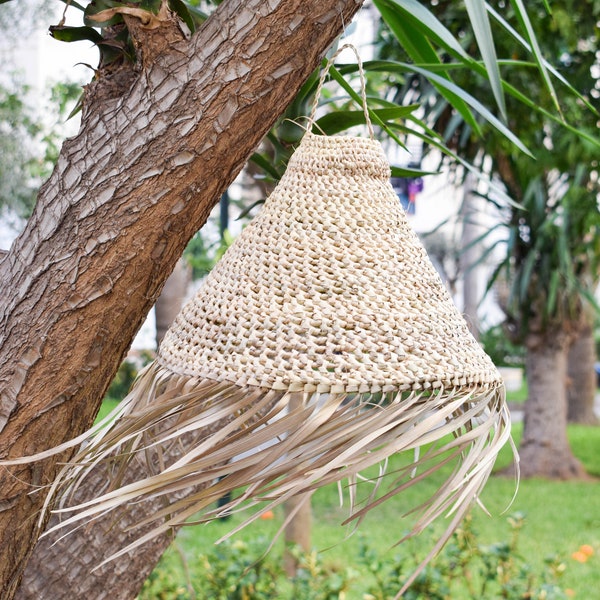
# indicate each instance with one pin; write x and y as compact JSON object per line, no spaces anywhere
{"x":328,"y":302}
{"x":328,"y":290}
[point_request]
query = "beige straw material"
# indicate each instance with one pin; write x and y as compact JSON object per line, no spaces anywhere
{"x":328,"y":289}
{"x":326,"y":303}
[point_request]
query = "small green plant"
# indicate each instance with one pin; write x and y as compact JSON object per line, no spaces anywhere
{"x":465,"y":570}
{"x":119,"y":388}
{"x":161,"y":585}
{"x":469,"y":570}
{"x":499,"y":347}
{"x":318,"y":580}
{"x":234,"y":571}
{"x":202,"y":256}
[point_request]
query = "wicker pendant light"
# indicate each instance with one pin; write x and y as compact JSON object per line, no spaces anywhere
{"x":328,"y":290}
{"x":327,"y":298}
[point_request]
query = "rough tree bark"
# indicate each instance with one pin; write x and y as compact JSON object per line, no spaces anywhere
{"x":127,"y":194}
{"x":581,"y":382}
{"x":544,"y":449}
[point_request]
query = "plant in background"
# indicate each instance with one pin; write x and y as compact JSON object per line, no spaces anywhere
{"x":230,"y":571}
{"x":126,"y":375}
{"x":466,"y":569}
{"x":470,"y":570}
{"x":18,"y":126}
{"x":234,"y":571}
{"x":29,"y":146}
{"x":498,"y":345}
{"x":107,"y":24}
{"x":202,"y":257}
{"x":548,"y":213}
{"x":319,"y":580}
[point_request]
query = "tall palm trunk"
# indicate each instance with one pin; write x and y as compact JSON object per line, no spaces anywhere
{"x":545,"y":450}
{"x":61,"y":567}
{"x":581,"y":383}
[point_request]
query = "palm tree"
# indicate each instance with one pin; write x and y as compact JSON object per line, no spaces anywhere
{"x":551,"y":218}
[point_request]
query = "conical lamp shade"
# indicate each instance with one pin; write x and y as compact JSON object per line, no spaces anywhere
{"x":328,"y":289}
{"x":327,"y":303}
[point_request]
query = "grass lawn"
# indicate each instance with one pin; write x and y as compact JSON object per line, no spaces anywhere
{"x":560,"y":517}
{"x":518,"y":396}
{"x":108,"y":404}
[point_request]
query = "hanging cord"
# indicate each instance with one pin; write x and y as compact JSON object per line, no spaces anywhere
{"x":363,"y":87}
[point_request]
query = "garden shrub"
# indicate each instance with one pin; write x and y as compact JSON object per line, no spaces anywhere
{"x":125,"y":376}
{"x":469,"y":570}
{"x":465,"y":570}
{"x":498,"y":346}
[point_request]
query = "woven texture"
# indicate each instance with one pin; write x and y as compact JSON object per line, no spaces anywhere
{"x":328,"y":289}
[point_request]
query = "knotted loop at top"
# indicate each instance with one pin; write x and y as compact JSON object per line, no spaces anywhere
{"x":363,"y":87}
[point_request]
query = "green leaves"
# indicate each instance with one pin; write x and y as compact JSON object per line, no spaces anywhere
{"x":552,"y":254}
{"x":430,"y":44}
{"x":413,"y":26}
{"x":467,"y":99}
{"x":340,"y":120}
{"x":183,"y":12}
{"x":521,"y":14}
{"x":75,"y":34}
{"x":410,"y":173}
{"x":485,"y":40}
{"x":99,"y":6}
{"x":101,"y":14}
{"x":522,"y":43}
{"x":73,"y":4}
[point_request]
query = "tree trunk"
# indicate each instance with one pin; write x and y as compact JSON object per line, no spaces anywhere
{"x":470,"y":253}
{"x":127,"y":194}
{"x":545,"y":450}
{"x":171,"y":298}
{"x":581,"y":382}
{"x":298,"y":529}
{"x":62,"y":569}
{"x":61,"y":566}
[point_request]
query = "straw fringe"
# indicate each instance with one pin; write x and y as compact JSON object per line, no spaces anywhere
{"x":248,"y":443}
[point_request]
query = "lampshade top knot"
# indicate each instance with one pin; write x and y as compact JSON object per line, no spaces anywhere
{"x":327,"y":289}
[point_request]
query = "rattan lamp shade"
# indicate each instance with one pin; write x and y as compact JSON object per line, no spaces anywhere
{"x":327,"y":302}
{"x":328,"y":289}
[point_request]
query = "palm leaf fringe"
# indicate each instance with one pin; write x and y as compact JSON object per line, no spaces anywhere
{"x":245,"y":442}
